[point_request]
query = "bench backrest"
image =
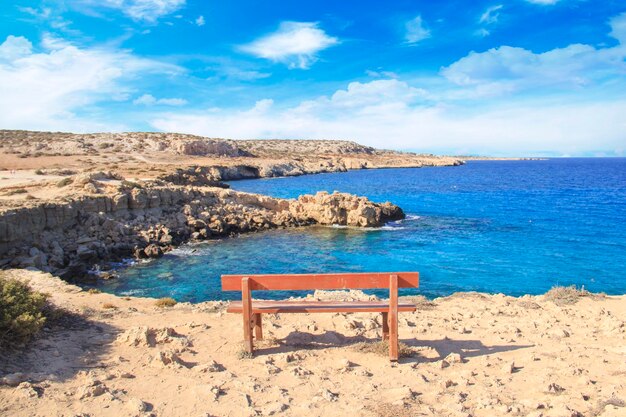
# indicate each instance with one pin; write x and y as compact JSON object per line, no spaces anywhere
{"x":286,"y":282}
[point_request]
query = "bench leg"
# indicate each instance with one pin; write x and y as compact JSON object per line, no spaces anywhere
{"x":393,"y":318}
{"x":258,"y":327}
{"x":246,"y":299}
{"x":385,"y":326}
{"x":393,"y":337}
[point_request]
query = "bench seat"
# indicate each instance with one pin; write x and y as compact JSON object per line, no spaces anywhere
{"x":273,"y":307}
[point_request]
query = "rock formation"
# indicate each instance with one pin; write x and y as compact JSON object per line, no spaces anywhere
{"x":70,"y":236}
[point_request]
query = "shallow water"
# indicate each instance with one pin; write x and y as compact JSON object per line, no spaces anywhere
{"x":516,"y":227}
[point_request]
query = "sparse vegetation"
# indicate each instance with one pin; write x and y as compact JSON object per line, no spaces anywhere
{"x":93,"y":291}
{"x":109,"y":306}
{"x":22,"y":312}
{"x":16,"y":191}
{"x":64,"y":182}
{"x":421,"y":302}
{"x":569,"y":295}
{"x":165,"y":302}
{"x":63,"y":172}
{"x":382,"y":348}
{"x":131,"y":184}
{"x":244,"y":354}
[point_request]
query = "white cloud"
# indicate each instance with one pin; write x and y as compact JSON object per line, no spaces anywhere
{"x":381,"y":74}
{"x":150,"y":100}
{"x":508,"y":69}
{"x":48,"y":89}
{"x":139,"y":10}
{"x":618,"y":28}
{"x":579,"y":108}
{"x":543,"y":2}
{"x":294,"y":43}
{"x":491,"y":15}
{"x":200,"y":21}
{"x":15,"y":47}
{"x":234,"y":71}
{"x":43,"y":13}
{"x":416,"y":30}
{"x":482,"y":32}
{"x":396,"y":118}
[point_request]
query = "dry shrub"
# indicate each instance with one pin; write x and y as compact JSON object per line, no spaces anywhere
{"x":22,"y":312}
{"x":529,"y":305}
{"x":394,"y":410}
{"x":165,"y":302}
{"x":382,"y":348}
{"x":16,"y":191}
{"x":421,"y":302}
{"x":244,"y":354}
{"x":109,"y":306}
{"x":93,"y":291}
{"x":569,"y":295}
{"x":267,"y":342}
{"x":64,"y":182}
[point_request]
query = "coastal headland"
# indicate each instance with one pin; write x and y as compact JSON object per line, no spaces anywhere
{"x":70,"y":203}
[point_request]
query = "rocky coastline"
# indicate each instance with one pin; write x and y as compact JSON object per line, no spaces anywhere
{"x":73,"y":202}
{"x":69,"y":237}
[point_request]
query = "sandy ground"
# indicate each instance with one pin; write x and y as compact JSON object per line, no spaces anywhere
{"x":471,"y":355}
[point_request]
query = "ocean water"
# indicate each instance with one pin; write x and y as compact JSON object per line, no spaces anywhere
{"x":513,"y":227}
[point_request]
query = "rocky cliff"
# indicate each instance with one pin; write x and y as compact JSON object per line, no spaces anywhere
{"x":70,"y":236}
{"x":71,"y":201}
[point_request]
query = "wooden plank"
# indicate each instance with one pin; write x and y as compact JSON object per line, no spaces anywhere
{"x":258,"y":327}
{"x":337,"y":281}
{"x":393,"y":318}
{"x":386,"y":324}
{"x":274,"y":307}
{"x":246,"y":301}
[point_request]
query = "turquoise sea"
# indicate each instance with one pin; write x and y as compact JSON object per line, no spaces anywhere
{"x":515,"y":227}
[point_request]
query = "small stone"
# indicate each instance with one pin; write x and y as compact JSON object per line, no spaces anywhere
{"x":210,"y":366}
{"x":453,"y":358}
{"x":328,"y":395}
{"x":272,"y":369}
{"x":274,"y":408}
{"x":398,"y":396}
{"x":28,"y":390}
{"x":93,"y":389}
{"x":167,"y":358}
{"x":555,"y":388}
{"x":13,"y":380}
{"x":216,"y":391}
{"x":136,"y":405}
{"x":301,"y":372}
{"x":344,"y":365}
{"x":448,"y":383}
{"x":509,"y":368}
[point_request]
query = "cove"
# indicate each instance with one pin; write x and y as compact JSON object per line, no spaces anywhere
{"x":516,"y":227}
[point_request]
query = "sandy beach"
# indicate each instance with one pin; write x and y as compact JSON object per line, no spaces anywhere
{"x":467,"y":354}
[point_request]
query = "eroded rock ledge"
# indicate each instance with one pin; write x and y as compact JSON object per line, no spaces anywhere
{"x":68,"y":237}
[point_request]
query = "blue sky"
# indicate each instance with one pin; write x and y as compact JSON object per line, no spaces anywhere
{"x":518,"y":77}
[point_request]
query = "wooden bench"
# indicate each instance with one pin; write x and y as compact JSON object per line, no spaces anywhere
{"x":253,"y":310}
